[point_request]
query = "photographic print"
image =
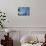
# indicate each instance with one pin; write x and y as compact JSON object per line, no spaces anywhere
{"x":24,"y":11}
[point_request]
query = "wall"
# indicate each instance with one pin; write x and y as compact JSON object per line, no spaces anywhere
{"x":38,"y":18}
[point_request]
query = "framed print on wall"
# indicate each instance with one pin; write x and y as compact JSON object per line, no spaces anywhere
{"x":24,"y":13}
